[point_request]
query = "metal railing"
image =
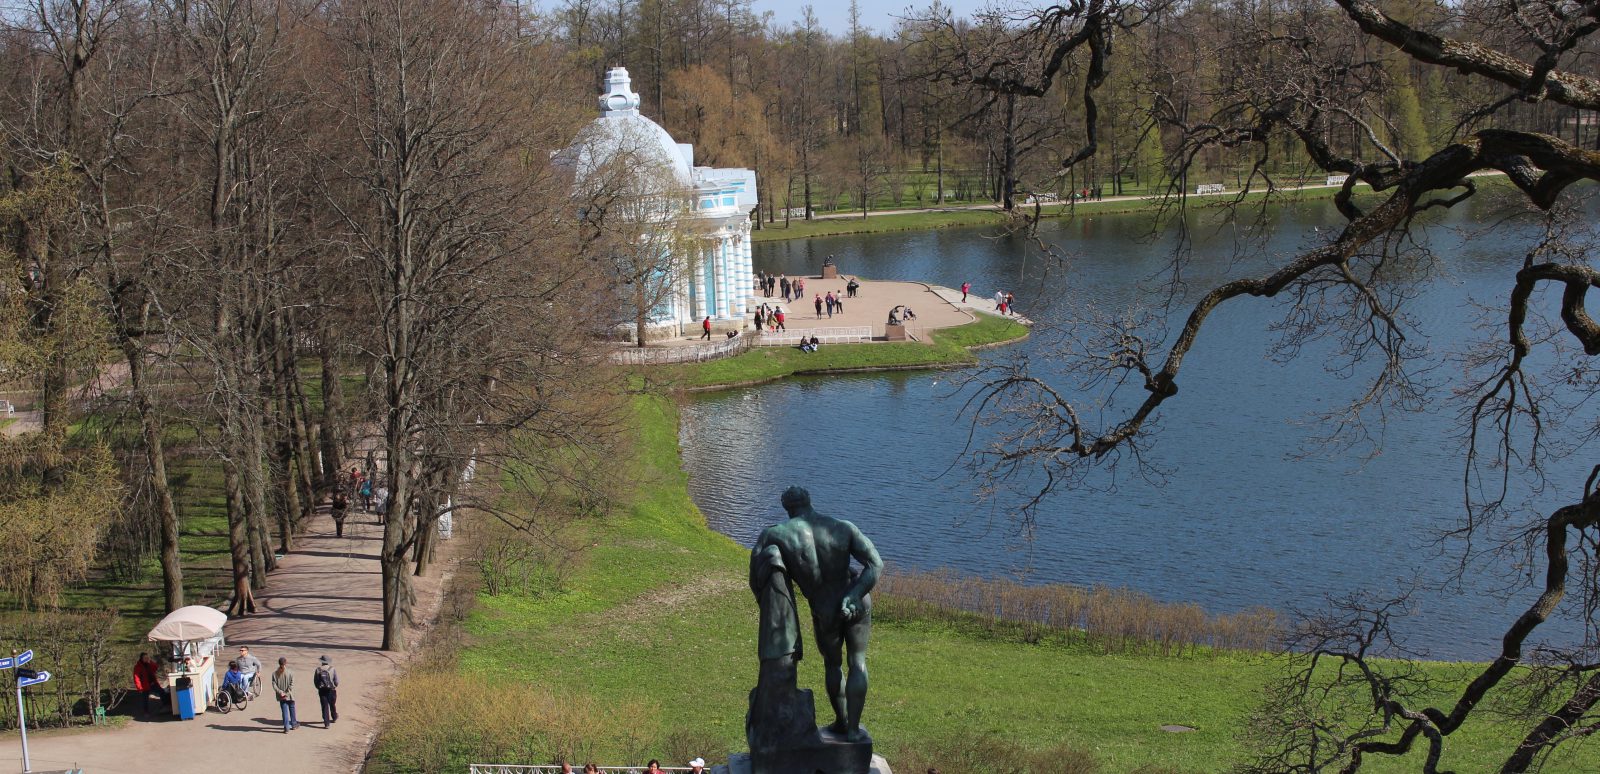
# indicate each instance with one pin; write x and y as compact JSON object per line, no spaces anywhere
{"x":696,"y":353}
{"x":515,"y":768}
{"x":788,"y":338}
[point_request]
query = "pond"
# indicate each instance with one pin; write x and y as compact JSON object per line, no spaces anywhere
{"x":1241,"y":511}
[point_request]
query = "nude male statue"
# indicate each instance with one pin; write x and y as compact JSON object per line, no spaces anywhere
{"x":816,"y":550}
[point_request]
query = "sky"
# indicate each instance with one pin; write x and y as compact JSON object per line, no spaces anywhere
{"x":835,"y":14}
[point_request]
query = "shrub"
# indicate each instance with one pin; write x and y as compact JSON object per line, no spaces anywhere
{"x":87,"y":668}
{"x":971,"y":752}
{"x":441,"y":722}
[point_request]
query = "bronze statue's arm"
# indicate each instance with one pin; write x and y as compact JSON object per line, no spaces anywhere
{"x":864,"y":552}
{"x":765,"y":559}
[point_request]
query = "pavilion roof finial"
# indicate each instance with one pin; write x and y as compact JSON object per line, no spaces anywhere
{"x":619,"y":97}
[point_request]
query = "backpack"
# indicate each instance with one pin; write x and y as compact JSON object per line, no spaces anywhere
{"x":321,"y":679}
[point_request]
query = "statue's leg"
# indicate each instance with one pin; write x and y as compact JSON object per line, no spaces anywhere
{"x":856,"y":689}
{"x":830,"y":643}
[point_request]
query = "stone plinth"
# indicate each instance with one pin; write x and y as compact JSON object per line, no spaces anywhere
{"x":829,"y":271}
{"x":895,"y":332}
{"x":742,"y":764}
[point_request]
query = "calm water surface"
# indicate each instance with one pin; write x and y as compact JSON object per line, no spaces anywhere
{"x":1241,"y":515}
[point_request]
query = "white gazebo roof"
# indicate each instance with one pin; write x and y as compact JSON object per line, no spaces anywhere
{"x":622,"y":131}
{"x":195,"y":622}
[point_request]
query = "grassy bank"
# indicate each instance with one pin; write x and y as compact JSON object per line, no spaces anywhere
{"x":949,"y":347}
{"x":918,"y":221}
{"x":647,"y":649}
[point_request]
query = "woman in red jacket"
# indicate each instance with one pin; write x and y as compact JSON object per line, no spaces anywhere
{"x":145,"y":682}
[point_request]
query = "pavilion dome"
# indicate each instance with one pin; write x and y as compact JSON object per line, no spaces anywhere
{"x":622,"y":135}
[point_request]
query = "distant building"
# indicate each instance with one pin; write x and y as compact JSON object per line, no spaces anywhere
{"x":715,"y":280}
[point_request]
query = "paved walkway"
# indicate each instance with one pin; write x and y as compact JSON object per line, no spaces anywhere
{"x":936,"y":307}
{"x":325,"y":598}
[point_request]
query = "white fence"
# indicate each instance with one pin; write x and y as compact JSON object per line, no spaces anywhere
{"x":512,"y":768}
{"x":788,"y":338}
{"x":1210,"y":188}
{"x":697,"y":353}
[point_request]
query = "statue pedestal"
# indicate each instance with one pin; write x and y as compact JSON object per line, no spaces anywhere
{"x":796,"y":762}
{"x":830,"y":271}
{"x":896,"y":332}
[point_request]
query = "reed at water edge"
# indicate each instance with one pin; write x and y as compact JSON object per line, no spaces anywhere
{"x":1109,"y":620}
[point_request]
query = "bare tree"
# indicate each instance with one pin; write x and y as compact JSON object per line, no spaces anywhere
{"x":460,"y":243}
{"x":1311,"y":72}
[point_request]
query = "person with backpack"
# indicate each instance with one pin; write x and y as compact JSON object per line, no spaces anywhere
{"x":326,"y":681}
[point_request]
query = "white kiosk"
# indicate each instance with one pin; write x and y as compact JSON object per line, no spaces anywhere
{"x":193,"y":639}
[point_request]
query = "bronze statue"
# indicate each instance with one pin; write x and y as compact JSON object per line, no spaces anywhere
{"x":812,"y":551}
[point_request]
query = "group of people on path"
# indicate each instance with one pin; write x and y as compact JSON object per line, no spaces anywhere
{"x":325,"y":679}
{"x":1004,"y":301}
{"x":832,"y":302}
{"x":770,"y":317}
{"x":792,"y":290}
{"x":239,"y":684}
{"x":357,"y":485}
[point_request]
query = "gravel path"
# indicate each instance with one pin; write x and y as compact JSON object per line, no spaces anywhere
{"x":325,"y":598}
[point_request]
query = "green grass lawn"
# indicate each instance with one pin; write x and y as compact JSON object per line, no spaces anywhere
{"x":948,"y":348}
{"x":799,"y":229}
{"x":648,"y":650}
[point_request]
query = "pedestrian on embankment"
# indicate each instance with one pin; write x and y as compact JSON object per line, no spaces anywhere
{"x":283,"y":687}
{"x":338,"y":510}
{"x":326,"y":681}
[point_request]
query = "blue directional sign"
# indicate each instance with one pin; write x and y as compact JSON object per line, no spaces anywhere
{"x":22,"y":658}
{"x":39,"y":677}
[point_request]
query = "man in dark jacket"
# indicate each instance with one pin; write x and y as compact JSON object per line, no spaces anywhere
{"x":326,"y":680}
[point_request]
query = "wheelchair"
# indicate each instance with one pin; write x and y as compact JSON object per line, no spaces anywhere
{"x":231,"y":698}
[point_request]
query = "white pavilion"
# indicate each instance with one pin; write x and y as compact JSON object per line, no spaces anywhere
{"x":717,"y":281}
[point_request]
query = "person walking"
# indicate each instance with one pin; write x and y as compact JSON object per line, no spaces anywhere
{"x":1011,"y":304}
{"x":761,"y":312}
{"x":999,"y":300}
{"x":380,"y":501}
{"x":783,"y":284}
{"x":283,"y":687}
{"x":799,"y":288}
{"x":338,"y":510}
{"x":818,"y":305}
{"x":965,"y":286}
{"x":779,"y":316}
{"x":366,"y":495}
{"x":326,"y":681}
{"x":705,"y":325}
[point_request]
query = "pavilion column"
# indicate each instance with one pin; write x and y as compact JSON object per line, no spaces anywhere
{"x":748,"y":255}
{"x":725,"y":272}
{"x":714,"y":263}
{"x":692,"y":282}
{"x":697,"y":287}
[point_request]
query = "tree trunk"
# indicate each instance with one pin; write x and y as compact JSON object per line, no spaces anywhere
{"x":155,"y":456}
{"x":244,"y":601}
{"x":332,"y":398}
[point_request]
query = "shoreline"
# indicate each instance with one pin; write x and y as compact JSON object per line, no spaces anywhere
{"x":988,"y":214}
{"x":947,"y":348}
